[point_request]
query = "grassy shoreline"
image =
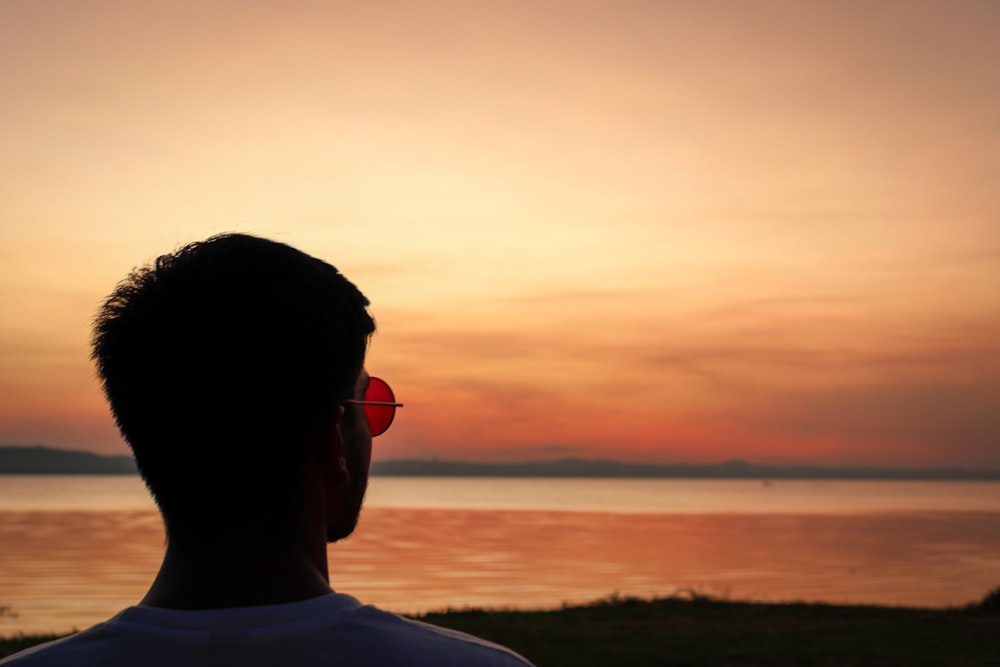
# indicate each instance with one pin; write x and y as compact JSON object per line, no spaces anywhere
{"x":698,"y":630}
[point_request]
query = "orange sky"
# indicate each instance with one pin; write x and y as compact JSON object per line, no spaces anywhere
{"x":651,"y":231}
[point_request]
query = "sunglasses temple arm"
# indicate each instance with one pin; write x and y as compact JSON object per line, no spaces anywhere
{"x":385,"y":403}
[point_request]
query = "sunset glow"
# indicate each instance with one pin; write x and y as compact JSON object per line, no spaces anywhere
{"x":643,"y":231}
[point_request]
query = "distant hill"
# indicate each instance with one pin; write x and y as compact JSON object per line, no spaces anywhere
{"x":40,"y":460}
{"x":726,"y":470}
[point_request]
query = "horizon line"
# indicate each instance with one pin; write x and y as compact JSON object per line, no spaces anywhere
{"x":42,"y":459}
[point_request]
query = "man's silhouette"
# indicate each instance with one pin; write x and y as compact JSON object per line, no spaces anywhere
{"x":235,"y":370}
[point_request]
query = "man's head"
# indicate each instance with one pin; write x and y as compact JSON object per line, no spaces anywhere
{"x":224,"y":362}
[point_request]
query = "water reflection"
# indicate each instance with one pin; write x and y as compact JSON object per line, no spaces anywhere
{"x":63,"y":569}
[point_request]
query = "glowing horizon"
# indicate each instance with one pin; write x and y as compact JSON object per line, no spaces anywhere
{"x":649,"y":232}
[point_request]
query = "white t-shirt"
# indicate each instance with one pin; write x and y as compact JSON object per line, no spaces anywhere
{"x":334,"y":630}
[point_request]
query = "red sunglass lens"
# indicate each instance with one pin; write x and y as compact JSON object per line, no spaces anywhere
{"x":379,"y":416}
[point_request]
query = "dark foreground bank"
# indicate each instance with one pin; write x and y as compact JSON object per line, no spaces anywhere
{"x":696,"y":630}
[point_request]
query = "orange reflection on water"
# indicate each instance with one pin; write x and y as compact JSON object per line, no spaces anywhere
{"x":63,"y":569}
{"x":415,"y":560}
{"x":60,"y":570}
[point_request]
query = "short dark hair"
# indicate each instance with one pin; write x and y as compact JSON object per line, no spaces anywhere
{"x":222,"y":361}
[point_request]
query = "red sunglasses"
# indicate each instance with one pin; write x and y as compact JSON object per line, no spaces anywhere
{"x":380,"y":405}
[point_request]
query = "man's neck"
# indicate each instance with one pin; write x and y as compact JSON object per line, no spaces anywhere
{"x":217,"y":573}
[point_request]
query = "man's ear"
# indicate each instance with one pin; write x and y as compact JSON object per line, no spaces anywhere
{"x":334,"y":452}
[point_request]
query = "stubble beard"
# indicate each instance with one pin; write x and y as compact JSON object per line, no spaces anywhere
{"x":352,"y":504}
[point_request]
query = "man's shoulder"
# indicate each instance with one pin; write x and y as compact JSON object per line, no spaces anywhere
{"x":409,"y":640}
{"x":69,"y":650}
{"x":337,"y":630}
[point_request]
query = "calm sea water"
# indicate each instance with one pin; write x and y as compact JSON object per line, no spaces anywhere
{"x":74,"y":550}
